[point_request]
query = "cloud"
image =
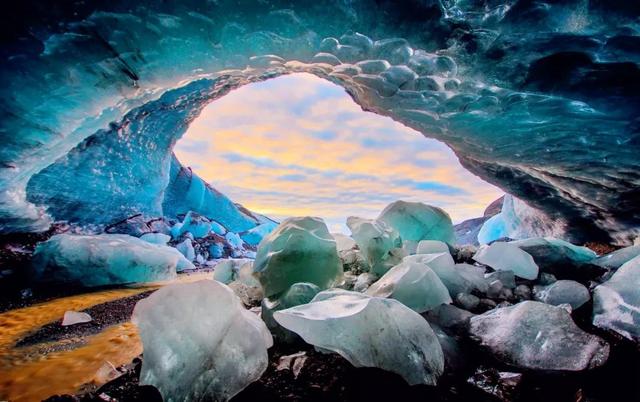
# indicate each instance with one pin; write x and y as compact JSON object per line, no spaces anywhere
{"x":299,"y":145}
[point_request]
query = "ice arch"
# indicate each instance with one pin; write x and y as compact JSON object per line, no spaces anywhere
{"x":539,"y":99}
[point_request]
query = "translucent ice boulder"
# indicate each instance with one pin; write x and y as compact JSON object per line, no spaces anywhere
{"x":186,"y":249}
{"x":616,"y":303}
{"x":413,"y":284}
{"x":106,"y":259}
{"x":507,"y":257}
{"x":444,"y":266}
{"x":199,"y":342}
{"x":616,"y":259}
{"x":156,"y":238}
{"x":563,"y":292}
{"x":298,"y":250}
{"x":416,"y":221}
{"x":538,"y":336}
{"x":560,"y":258}
{"x":298,"y":293}
{"x":376,"y":240}
{"x":369,"y":332}
{"x":431,"y":247}
{"x":228,"y":270}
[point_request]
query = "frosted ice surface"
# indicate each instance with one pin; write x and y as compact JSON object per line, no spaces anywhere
{"x":507,"y":257}
{"x":431,"y":247}
{"x":156,"y":238}
{"x":413,"y":284}
{"x":616,"y":303}
{"x":538,"y":336}
{"x":375,"y":240}
{"x":105,"y":259}
{"x":416,"y":221}
{"x":199,"y":342}
{"x":298,"y":250}
{"x":369,"y":332}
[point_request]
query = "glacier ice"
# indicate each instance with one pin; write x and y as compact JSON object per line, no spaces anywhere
{"x":156,"y":238}
{"x":343,"y":242}
{"x":196,"y":224}
{"x":538,"y":336}
{"x":199,"y":342}
{"x":228,"y":270}
{"x":616,"y":303}
{"x":416,"y":221}
{"x":187,"y":250}
{"x":369,"y":332}
{"x":616,"y":259}
{"x":298,"y":250}
{"x":513,"y":117}
{"x":297,"y":294}
{"x":376,"y":241}
{"x":431,"y":247}
{"x":413,"y":284}
{"x":255,"y":235}
{"x":563,"y":292}
{"x":507,"y":257}
{"x":560,"y":258}
{"x":445,"y":268}
{"x":106,"y":259}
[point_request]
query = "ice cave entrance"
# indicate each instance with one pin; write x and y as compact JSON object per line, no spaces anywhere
{"x":299,"y":145}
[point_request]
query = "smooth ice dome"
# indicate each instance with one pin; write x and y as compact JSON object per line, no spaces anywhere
{"x":507,"y":257}
{"x":199,"y":342}
{"x":106,"y":259}
{"x":431,"y":247}
{"x":416,"y":221}
{"x":413,"y":284}
{"x":616,"y":303}
{"x":369,"y":332}
{"x":563,"y":292}
{"x":534,"y":335}
{"x":298,"y":250}
{"x":457,"y":280}
{"x":375,"y":240}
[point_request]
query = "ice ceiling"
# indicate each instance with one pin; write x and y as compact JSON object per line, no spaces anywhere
{"x":540,"y":99}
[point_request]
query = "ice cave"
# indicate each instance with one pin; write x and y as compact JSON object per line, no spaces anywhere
{"x":126,"y":274}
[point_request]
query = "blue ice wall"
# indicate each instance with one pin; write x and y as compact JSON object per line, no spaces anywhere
{"x":539,"y":98}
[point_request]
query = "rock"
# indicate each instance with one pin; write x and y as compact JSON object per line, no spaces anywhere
{"x":106,"y":259}
{"x":199,"y":342}
{"x":616,"y":303}
{"x":376,"y":241}
{"x":416,"y":221}
{"x":537,"y":336}
{"x":451,"y":318}
{"x":561,"y":258}
{"x":467,"y":301}
{"x":507,"y":278}
{"x":563,"y":292}
{"x":501,"y":384}
{"x":431,"y":247}
{"x":353,"y":261}
{"x":506,"y":257}
{"x":363,"y":281}
{"x":228,"y":270}
{"x":326,"y":58}
{"x":298,"y":293}
{"x":616,"y":259}
{"x":413,"y":284}
{"x":546,"y":279}
{"x":522,"y":292}
{"x":251,"y":296}
{"x":75,"y":317}
{"x":369,"y":332}
{"x":135,"y":225}
{"x":298,"y":250}
{"x":373,"y":66}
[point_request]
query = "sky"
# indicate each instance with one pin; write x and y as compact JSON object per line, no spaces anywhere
{"x":298,"y":145}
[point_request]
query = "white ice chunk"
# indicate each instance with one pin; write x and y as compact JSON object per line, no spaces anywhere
{"x":199,"y":342}
{"x":75,"y":317}
{"x":369,"y":332}
{"x":506,"y":257}
{"x":432,"y":247}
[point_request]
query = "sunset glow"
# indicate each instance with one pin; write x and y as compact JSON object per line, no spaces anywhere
{"x":299,"y":145}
